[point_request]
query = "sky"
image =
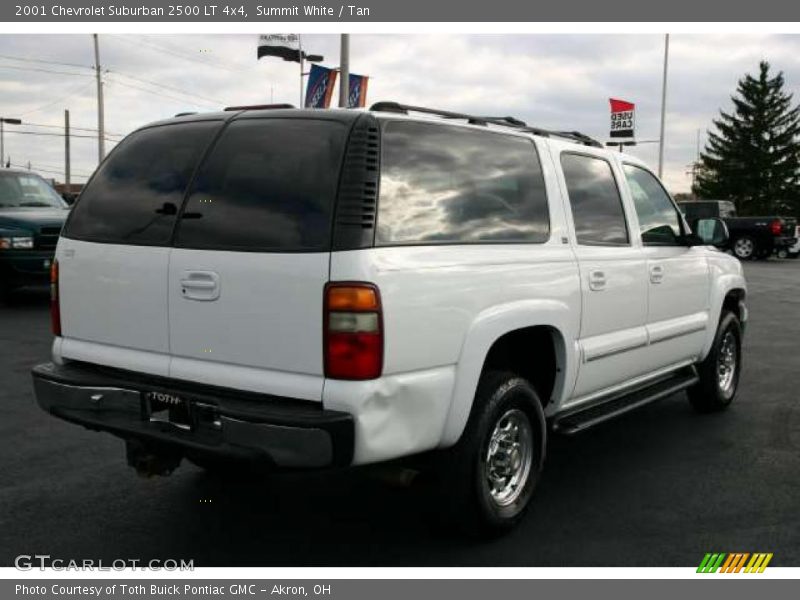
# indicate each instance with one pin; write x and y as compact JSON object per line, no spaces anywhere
{"x":554,"y":81}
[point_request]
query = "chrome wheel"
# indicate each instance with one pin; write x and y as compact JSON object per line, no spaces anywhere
{"x":509,"y":457}
{"x":744,"y":248}
{"x":726,"y":362}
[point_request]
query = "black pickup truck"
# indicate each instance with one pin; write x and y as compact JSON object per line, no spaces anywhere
{"x":750,"y":237}
{"x":31,"y":217}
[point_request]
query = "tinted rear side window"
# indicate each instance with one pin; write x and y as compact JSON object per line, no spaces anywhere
{"x":443,"y":184}
{"x":594,"y":197}
{"x":268,"y":185}
{"x":136,"y":193}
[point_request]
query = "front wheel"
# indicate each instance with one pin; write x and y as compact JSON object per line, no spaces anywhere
{"x":485,"y":482}
{"x":782,"y":253}
{"x":719,"y":372}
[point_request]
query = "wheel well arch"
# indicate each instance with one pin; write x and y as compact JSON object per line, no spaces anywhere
{"x":534,"y":353}
{"x":733,"y":302}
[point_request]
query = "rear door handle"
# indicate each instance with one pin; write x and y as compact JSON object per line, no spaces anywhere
{"x":597,"y":281}
{"x":200,"y":285}
{"x":656,"y":274}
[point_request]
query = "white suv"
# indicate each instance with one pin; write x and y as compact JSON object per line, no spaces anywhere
{"x":315,"y":289}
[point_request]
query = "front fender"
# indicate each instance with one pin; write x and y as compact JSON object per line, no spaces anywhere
{"x":486,"y":329}
{"x":726,"y":276}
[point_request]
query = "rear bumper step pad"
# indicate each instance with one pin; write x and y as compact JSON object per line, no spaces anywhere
{"x":288,"y":433}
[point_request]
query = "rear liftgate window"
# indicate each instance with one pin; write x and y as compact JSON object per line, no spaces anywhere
{"x":442,"y":184}
{"x":268,"y":185}
{"x":135,"y":195}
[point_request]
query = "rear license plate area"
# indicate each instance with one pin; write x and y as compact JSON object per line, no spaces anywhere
{"x":162,"y":407}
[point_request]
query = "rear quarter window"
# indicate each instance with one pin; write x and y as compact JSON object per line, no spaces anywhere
{"x":443,"y":184}
{"x":136,"y":193}
{"x":595,"y":201}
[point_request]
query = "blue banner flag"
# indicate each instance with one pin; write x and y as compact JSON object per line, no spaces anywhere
{"x":357,"y":98}
{"x":320,"y":87}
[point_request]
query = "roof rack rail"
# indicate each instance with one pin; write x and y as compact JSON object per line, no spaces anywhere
{"x":259,"y":107}
{"x":508,"y":121}
{"x":407,"y":108}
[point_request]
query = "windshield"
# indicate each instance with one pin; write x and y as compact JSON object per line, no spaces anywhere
{"x":21,"y":190}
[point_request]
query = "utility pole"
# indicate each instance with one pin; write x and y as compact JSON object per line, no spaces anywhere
{"x":66,"y":151}
{"x":344,"y":70}
{"x":101,"y":129}
{"x":3,"y":121}
{"x":663,"y":109}
{"x":300,"y":60}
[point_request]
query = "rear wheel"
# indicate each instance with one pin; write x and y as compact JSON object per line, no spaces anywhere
{"x":719,"y":372}
{"x":782,"y":253}
{"x":744,"y":248}
{"x":485,"y":482}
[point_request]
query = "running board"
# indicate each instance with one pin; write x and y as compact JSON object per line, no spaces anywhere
{"x":608,"y":407}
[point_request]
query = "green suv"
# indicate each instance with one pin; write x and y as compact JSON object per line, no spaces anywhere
{"x":31,"y":216}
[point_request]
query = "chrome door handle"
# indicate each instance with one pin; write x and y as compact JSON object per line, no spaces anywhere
{"x":200,"y":285}
{"x":656,"y":274}
{"x":597,"y":281}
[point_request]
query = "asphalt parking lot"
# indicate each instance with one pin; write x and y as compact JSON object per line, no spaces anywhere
{"x":659,"y":487}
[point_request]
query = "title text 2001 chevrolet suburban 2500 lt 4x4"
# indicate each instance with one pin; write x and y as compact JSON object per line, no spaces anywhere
{"x":323,"y":288}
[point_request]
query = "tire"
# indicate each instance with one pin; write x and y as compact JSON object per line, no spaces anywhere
{"x":506,"y":409}
{"x":717,"y":389}
{"x":782,"y":253}
{"x":744,"y":248}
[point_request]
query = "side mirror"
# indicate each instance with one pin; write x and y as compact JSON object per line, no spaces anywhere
{"x":712,"y":232}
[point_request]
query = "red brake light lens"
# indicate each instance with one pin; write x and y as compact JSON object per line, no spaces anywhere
{"x":353,"y":331}
{"x":776,"y":227}
{"x":55,"y":303}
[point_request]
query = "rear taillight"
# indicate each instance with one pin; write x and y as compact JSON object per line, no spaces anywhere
{"x":55,"y":305}
{"x":776,"y":227}
{"x":353,"y":331}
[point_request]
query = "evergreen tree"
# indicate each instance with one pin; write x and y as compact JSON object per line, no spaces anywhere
{"x":753,"y":157}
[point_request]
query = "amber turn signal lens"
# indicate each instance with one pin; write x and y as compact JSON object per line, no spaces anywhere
{"x":352,"y":298}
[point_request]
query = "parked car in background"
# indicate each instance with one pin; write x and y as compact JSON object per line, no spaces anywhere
{"x":750,"y":237}
{"x":791,"y":251}
{"x":31,"y":217}
{"x":326,"y":288}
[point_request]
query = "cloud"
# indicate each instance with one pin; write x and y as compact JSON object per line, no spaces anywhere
{"x":554,"y":81}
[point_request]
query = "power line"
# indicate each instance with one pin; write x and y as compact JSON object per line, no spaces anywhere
{"x":231,"y":64}
{"x":43,"y":169}
{"x":43,"y":61}
{"x":67,"y":96}
{"x":160,"y":49}
{"x":15,"y":68}
{"x":176,"y":99}
{"x":47,"y":133}
{"x":166,"y":87}
{"x":27,"y":123}
{"x":48,"y":165}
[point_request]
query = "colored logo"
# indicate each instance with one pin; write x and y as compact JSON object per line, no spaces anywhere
{"x":743,"y":562}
